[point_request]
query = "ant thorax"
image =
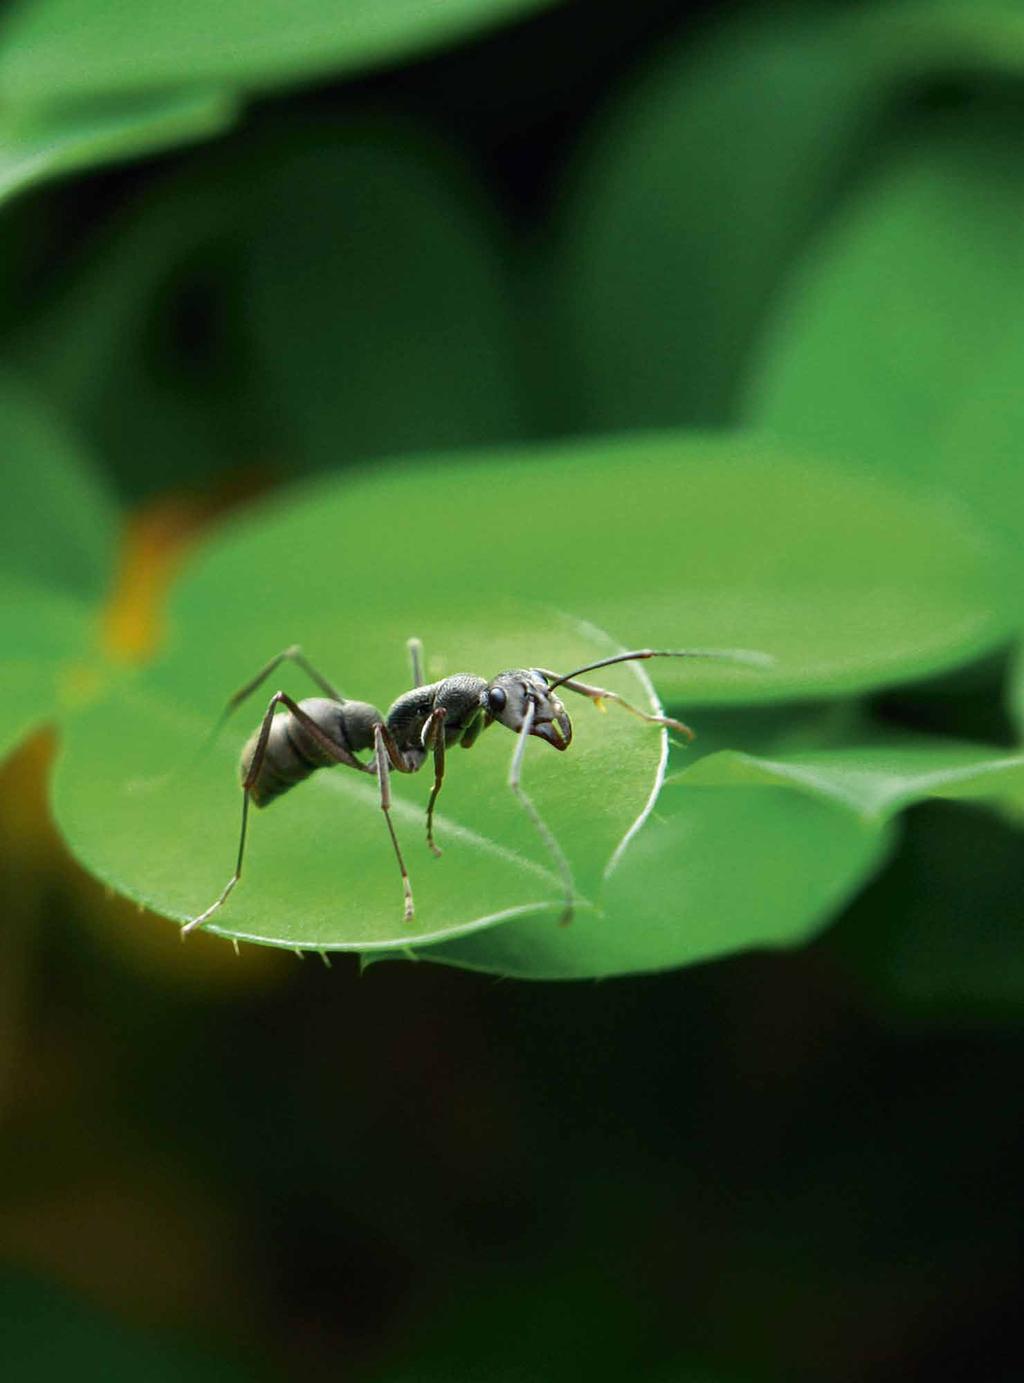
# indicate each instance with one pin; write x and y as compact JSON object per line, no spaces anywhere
{"x":461,"y":697}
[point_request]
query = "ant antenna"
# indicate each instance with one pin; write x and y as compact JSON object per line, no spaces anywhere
{"x":721,"y":655}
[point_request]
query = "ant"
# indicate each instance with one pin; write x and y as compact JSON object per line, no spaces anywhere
{"x":321,"y":731}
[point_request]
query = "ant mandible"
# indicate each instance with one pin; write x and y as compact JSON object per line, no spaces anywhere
{"x":321,"y":731}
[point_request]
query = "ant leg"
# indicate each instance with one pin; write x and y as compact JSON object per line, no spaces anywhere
{"x":335,"y":751}
{"x":599,"y":694}
{"x":433,"y":738}
{"x":543,"y":830}
{"x":384,"y":776}
{"x":474,"y":730}
{"x":252,"y":773}
{"x":331,"y":748}
{"x":205,"y":916}
{"x":398,"y":760}
{"x":415,"y":647}
{"x":291,"y":654}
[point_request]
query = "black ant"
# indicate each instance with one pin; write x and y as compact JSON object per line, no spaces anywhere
{"x":431,"y":718}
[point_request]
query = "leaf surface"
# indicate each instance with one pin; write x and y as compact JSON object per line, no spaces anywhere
{"x":460,"y":554}
{"x":160,"y":823}
{"x":667,"y":541}
{"x":900,"y":345}
{"x":36,"y":147}
{"x":877,"y":781}
{"x":57,"y":534}
{"x":376,"y":296}
{"x":59,"y":50}
{"x":751,"y":127}
{"x":702,"y":183}
{"x":718,"y":870}
{"x":743,"y":851}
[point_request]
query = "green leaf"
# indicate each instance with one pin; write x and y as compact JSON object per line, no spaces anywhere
{"x":938,"y":934}
{"x":718,"y":870}
{"x":900,"y":345}
{"x":742,"y":852}
{"x":44,"y":637}
{"x":673,"y":539}
{"x":349,"y":278}
{"x":48,"y":1333}
{"x":105,"y":347}
{"x":320,"y":872}
{"x":698,"y":184}
{"x":962,"y":36}
{"x":701,"y":184}
{"x":36,"y":147}
{"x":376,"y":297}
{"x":57,"y":534}
{"x":879,"y":780}
{"x":667,"y":541}
{"x":57,"y":523}
{"x":53,"y":51}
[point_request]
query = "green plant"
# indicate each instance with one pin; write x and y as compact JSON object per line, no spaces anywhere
{"x":858,"y":520}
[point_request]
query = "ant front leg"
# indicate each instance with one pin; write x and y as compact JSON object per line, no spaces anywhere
{"x":543,"y":830}
{"x":599,"y":694}
{"x":384,"y":758}
{"x":251,"y":776}
{"x":433,"y":738}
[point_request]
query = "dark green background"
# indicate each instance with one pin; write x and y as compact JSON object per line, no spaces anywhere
{"x":245,"y":257}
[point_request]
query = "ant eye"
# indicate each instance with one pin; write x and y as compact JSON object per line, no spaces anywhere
{"x":496,"y":699}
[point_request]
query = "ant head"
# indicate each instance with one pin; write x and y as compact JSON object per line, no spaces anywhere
{"x":508,"y":696}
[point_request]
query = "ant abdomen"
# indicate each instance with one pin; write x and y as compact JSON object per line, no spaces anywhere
{"x":292,"y":753}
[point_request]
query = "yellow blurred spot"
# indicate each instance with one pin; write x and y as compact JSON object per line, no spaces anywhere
{"x":155,"y":540}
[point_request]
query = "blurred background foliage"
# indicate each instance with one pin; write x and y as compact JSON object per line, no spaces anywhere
{"x":508,"y":238}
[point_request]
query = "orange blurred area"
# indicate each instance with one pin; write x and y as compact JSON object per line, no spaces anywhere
{"x":156,"y":539}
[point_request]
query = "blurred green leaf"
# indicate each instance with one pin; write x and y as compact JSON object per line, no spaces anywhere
{"x":136,"y":341}
{"x":961,"y":35}
{"x":57,"y":536}
{"x":878,"y":780}
{"x":376,"y":297}
{"x":34,"y":147}
{"x":320,"y":293}
{"x":53,"y":51}
{"x":846,"y":581}
{"x":700,"y":181}
{"x":44,"y":634}
{"x":900,"y":345}
{"x":1016,"y":690}
{"x":47,"y":1334}
{"x":706,"y":177}
{"x":58,"y":525}
{"x":938,"y":934}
